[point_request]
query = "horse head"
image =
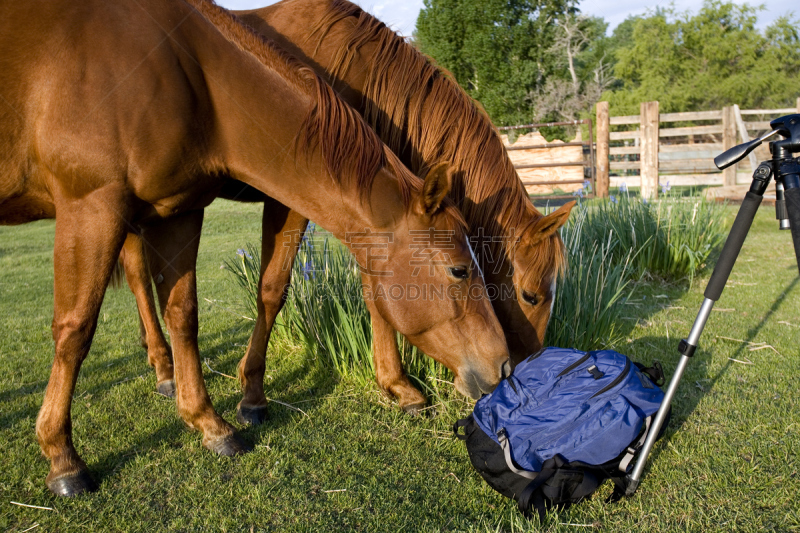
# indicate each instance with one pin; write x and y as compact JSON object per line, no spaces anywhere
{"x":524,"y":286}
{"x":428,"y":286}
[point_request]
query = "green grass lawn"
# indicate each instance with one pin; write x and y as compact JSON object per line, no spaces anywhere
{"x":351,"y":460}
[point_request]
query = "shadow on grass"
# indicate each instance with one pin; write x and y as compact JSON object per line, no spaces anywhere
{"x":665,"y":350}
{"x":320,"y":383}
{"x":22,"y":390}
{"x":92,"y":388}
{"x":753,"y":332}
{"x":690,"y":391}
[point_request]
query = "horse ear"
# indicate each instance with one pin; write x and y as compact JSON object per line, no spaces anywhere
{"x":549,"y":224}
{"x":437,"y":185}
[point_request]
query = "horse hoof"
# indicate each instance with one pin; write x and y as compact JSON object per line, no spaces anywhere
{"x":166,"y":388}
{"x":252,"y":416}
{"x":415,"y":409}
{"x":72,"y":485}
{"x":229,"y":446}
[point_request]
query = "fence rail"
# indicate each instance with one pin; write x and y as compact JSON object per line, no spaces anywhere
{"x":640,"y":152}
{"x":681,"y":154}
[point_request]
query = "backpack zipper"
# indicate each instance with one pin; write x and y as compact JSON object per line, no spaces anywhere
{"x":616,"y":381}
{"x":575,"y":423}
{"x":575,"y":365}
{"x":536,"y":355}
{"x":581,"y":419}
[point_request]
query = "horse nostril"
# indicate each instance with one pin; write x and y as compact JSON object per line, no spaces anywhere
{"x":506,"y":369}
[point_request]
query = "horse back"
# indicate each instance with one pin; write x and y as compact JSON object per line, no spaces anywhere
{"x":97,"y":94}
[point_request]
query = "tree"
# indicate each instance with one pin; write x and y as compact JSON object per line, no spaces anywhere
{"x":706,"y":61}
{"x":498,"y":50}
{"x":579,"y":49}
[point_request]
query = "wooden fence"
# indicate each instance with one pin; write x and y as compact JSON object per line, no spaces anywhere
{"x":640,"y":153}
{"x":548,"y":167}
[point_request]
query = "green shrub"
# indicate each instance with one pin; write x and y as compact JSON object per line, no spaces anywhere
{"x":609,"y":244}
{"x":586,"y":312}
{"x":672,"y":237}
{"x":246,"y":272}
{"x":325,"y":309}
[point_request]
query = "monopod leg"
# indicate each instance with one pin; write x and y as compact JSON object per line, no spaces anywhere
{"x":687,"y":347}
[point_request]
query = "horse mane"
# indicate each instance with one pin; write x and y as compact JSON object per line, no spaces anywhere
{"x":352,"y":152}
{"x":412,"y":103}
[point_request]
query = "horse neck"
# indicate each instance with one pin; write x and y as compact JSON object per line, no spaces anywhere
{"x":259,"y":117}
{"x":491,"y":196}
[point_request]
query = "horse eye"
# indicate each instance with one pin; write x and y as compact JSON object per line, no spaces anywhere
{"x":530,"y":297}
{"x":459,"y":272}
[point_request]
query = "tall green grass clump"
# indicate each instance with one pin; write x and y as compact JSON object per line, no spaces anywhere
{"x":612,"y":243}
{"x":609,"y":245}
{"x":672,"y":238}
{"x":245,"y":270}
{"x":587,"y":311}
{"x":325,"y":309}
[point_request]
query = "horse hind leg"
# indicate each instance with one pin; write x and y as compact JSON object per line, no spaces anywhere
{"x":137,"y":274}
{"x":87,"y":243}
{"x":175,"y":243}
{"x":281,"y":232}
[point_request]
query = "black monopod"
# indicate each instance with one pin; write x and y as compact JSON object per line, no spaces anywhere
{"x":785,"y":170}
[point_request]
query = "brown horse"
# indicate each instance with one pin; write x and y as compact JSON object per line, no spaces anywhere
{"x":131,"y":114}
{"x":424,"y":116}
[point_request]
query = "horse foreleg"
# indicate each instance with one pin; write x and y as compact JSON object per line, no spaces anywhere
{"x":389,"y":372}
{"x":174,"y":245}
{"x":88,"y":239}
{"x":281,"y":233}
{"x":159,"y":355}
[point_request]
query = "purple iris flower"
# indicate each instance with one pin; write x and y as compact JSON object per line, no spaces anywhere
{"x":308,"y":270}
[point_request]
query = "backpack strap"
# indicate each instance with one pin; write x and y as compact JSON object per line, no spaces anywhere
{"x":655,"y":373}
{"x":460,"y":424}
{"x":621,"y":481}
{"x":531,"y":496}
{"x":586,"y":487}
{"x":567,"y":486}
{"x":502,"y":436}
{"x":635,"y":447}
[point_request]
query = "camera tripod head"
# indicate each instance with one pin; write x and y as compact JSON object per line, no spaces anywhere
{"x":788,"y":127}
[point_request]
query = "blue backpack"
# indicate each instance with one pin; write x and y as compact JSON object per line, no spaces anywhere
{"x":561,"y":424}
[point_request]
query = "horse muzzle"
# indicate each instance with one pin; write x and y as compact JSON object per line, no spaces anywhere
{"x":474,"y":385}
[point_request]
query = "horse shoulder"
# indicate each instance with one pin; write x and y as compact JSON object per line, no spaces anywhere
{"x":127,"y":104}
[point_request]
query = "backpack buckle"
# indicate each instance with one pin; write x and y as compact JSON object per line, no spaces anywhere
{"x":595,"y":372}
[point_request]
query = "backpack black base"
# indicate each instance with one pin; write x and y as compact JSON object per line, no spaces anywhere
{"x":559,"y":484}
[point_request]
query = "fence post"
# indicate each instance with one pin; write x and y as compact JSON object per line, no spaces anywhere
{"x":602,"y":150}
{"x":798,"y":104}
{"x":648,"y":131}
{"x":729,"y":141}
{"x":742,"y":127}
